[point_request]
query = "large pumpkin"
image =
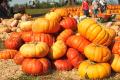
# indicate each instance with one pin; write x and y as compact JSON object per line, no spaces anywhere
{"x":58,"y":50}
{"x":115,"y":62}
{"x":26,"y":25}
{"x":94,"y":32}
{"x":64,"y":35}
{"x":78,"y":42}
{"x":97,"y":53}
{"x":74,"y":57}
{"x":39,"y":49}
{"x":69,"y":23}
{"x":116,"y":46}
{"x":13,"y":43}
{"x":91,"y":70}
{"x":63,"y":65}
{"x":46,"y":26}
{"x":41,"y":37}
{"x":8,"y":53}
{"x":53,"y":16}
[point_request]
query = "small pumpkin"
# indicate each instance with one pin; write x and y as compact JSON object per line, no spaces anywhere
{"x":116,"y":46}
{"x":69,"y":23}
{"x":97,"y":53}
{"x":78,"y":42}
{"x":7,"y":53}
{"x":74,"y":57}
{"x":91,"y":70}
{"x":115,"y":62}
{"x":42,"y":25}
{"x":57,"y":50}
{"x":39,"y":49}
{"x":62,"y":65}
{"x":64,"y":35}
{"x":18,"y":58}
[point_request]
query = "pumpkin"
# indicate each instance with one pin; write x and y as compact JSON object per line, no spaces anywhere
{"x":57,"y":50}
{"x":78,"y":42}
{"x":14,"y":23}
{"x":41,"y":37}
{"x":62,"y":65}
{"x":111,"y":32}
{"x":46,"y":64}
{"x":13,"y":43}
{"x":115,"y":62}
{"x":17,"y":16}
{"x":74,"y":57}
{"x":39,"y":49}
{"x":94,"y":32}
{"x":64,"y":35}
{"x":18,"y":58}
{"x":7,"y":53}
{"x":97,"y":53}
{"x":91,"y":70}
{"x":26,"y":25}
{"x":15,"y":34}
{"x":4,"y":29}
{"x":69,"y":23}
{"x":32,"y":66}
{"x":26,"y":36}
{"x":42,"y":25}
{"x":62,"y":12}
{"x":116,"y":46}
{"x":53,"y":16}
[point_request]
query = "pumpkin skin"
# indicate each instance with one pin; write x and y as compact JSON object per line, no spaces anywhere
{"x":97,"y":53}
{"x":64,"y":35}
{"x":115,"y":62}
{"x":78,"y":42}
{"x":8,"y":53}
{"x":46,"y":64}
{"x":13,"y":43}
{"x":41,"y":37}
{"x":26,"y":36}
{"x":111,"y":32}
{"x":39,"y":49}
{"x":69,"y":23}
{"x":26,"y":25}
{"x":74,"y":57}
{"x":62,"y":12}
{"x":42,"y":25}
{"x":94,"y":32}
{"x":53,"y":16}
{"x":18,"y":58}
{"x":16,"y":34}
{"x":63,"y":65}
{"x":32,"y":66}
{"x":116,"y":47}
{"x":91,"y":70}
{"x":57,"y":50}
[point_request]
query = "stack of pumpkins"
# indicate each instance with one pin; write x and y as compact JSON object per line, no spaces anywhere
{"x":58,"y":42}
{"x":113,"y":9}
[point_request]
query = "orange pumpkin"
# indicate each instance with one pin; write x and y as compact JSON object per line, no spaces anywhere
{"x":116,"y":46}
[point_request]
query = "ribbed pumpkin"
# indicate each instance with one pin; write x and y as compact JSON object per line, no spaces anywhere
{"x":74,"y":57}
{"x":64,"y":35}
{"x":69,"y":23}
{"x":53,"y":16}
{"x":111,"y":32}
{"x":8,"y":53}
{"x":91,"y":70}
{"x":26,"y":25}
{"x":41,"y":37}
{"x":97,"y":53}
{"x":115,"y":62}
{"x":39,"y":49}
{"x":78,"y":42}
{"x":62,"y":12}
{"x":46,"y":26}
{"x":26,"y":36}
{"x":62,"y":65}
{"x":116,"y":46}
{"x":94,"y":32}
{"x":58,"y":50}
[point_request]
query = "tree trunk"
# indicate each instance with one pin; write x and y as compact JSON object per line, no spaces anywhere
{"x":71,"y":2}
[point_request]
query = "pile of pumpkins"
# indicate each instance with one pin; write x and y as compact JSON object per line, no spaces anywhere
{"x":57,"y":41}
{"x":113,"y":9}
{"x":72,"y":11}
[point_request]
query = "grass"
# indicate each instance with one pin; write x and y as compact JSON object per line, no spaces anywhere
{"x":36,"y":11}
